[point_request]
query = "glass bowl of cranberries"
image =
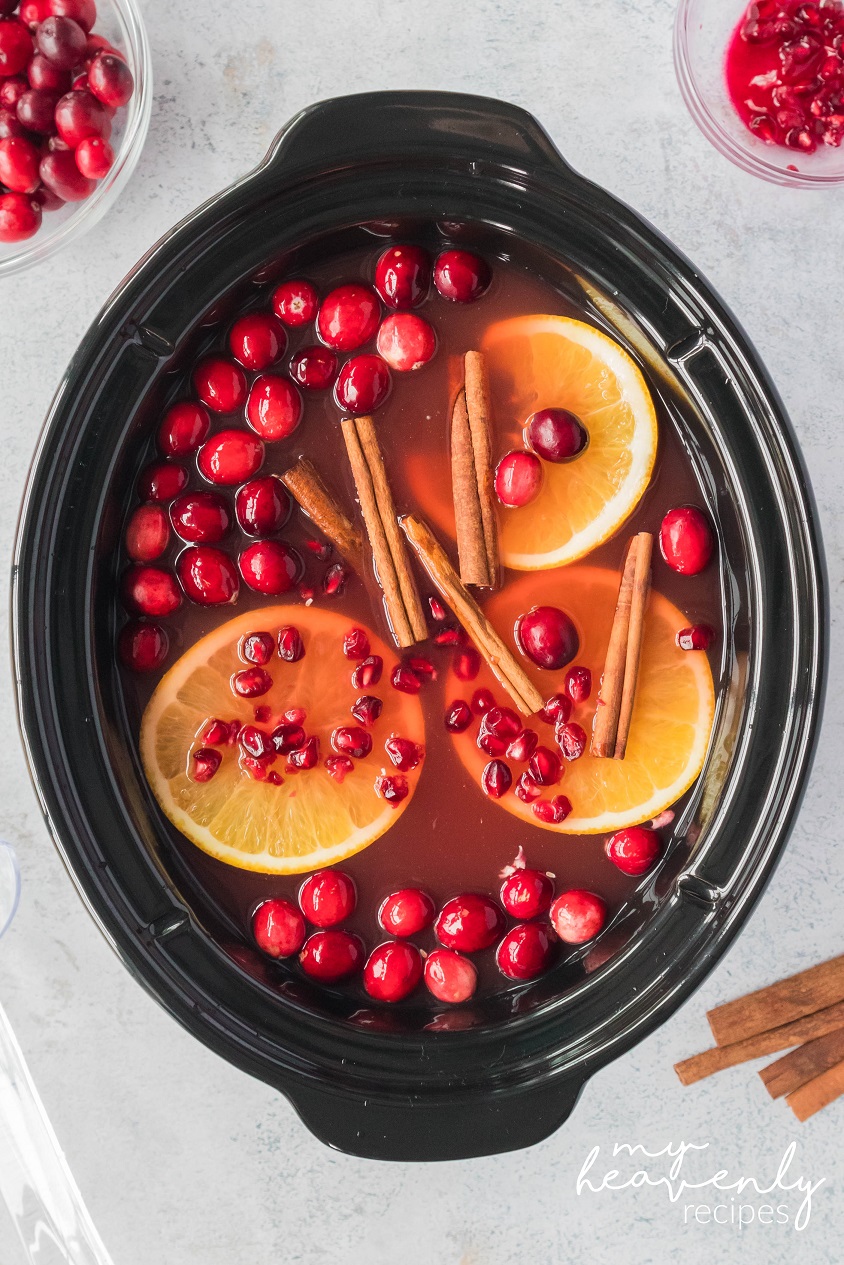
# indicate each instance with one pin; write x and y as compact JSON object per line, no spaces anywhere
{"x":75,"y":103}
{"x":764,"y":81}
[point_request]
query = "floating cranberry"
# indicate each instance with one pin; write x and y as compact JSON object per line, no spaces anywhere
{"x":392,"y":971}
{"x":278,"y":928}
{"x":291,"y":648}
{"x":36,"y":111}
{"x":230,"y":456}
{"x":458,"y":716}
{"x":110,"y":80}
{"x":698,"y":637}
{"x":404,"y":753}
{"x":363,"y":384}
{"x":571,"y":739}
{"x":143,"y":647}
{"x":545,"y":767}
{"x":496,"y":779}
{"x":19,"y":163}
{"x":330,"y":956}
{"x":348,"y":317}
{"x":548,"y":637}
{"x":352,"y":740}
{"x":61,"y":175}
{"x":94,"y":157}
{"x":183,"y":428}
{"x":201,"y":518}
{"x":366,"y":709}
{"x":147,"y":533}
{"x":406,"y":912}
{"x":295,"y":303}
{"x":79,"y":115}
{"x":518,"y":478}
{"x":206,"y":762}
{"x":339,"y":767}
{"x":257,"y":340}
{"x":523,"y":746}
{"x":403,"y":276}
{"x":467,"y":664}
{"x":555,"y":434}
{"x":327,"y":898}
{"x":525,"y":952}
{"x":15,"y":47}
{"x":162,"y":481}
{"x":527,"y":790}
{"x":406,"y":341}
{"x":469,"y":922}
{"x":251,"y":683}
{"x":633,"y":850}
{"x":368,"y":672}
{"x":220,"y":384}
{"x":314,"y":368}
{"x":257,"y":647}
{"x":578,"y":915}
{"x":287,"y":738}
{"x":449,"y":976}
{"x":270,"y":567}
{"x":304,"y":757}
{"x":274,"y":407}
{"x":556,"y":708}
{"x":208,"y":576}
{"x":262,"y":506}
{"x":578,"y":684}
{"x":356,"y":643}
{"x":150,"y":591}
{"x":554,"y":811}
{"x":686,"y":540}
{"x":393,"y":788}
{"x":527,"y":893}
{"x":461,"y":276}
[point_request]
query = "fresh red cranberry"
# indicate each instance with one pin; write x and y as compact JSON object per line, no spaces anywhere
{"x":352,"y":740}
{"x":496,"y":779}
{"x":518,"y":478}
{"x":79,"y":115}
{"x":314,"y":368}
{"x":403,"y":752}
{"x":10,"y":127}
{"x":230,"y":456}
{"x":82,"y":11}
{"x":220,"y":384}
{"x":461,"y":276}
{"x":339,"y":766}
{"x":251,"y":683}
{"x":633,"y":850}
{"x":19,"y":162}
{"x":274,"y":407}
{"x":527,"y":790}
{"x":555,"y":434}
{"x":79,"y":83}
{"x":291,"y":648}
{"x":110,"y":80}
{"x":36,"y":110}
{"x":458,"y":716}
{"x":368,"y":672}
{"x":392,"y":971}
{"x":183,"y":428}
{"x":548,"y":637}
{"x":578,"y":915}
{"x":556,"y":709}
{"x":262,"y":506}
{"x":403,"y":276}
{"x":467,"y":663}
{"x":256,"y":743}
{"x":257,"y":340}
{"x":523,"y":746}
{"x":147,"y":533}
{"x":698,"y":637}
{"x":201,"y":518}
{"x":348,"y":317}
{"x":330,"y":956}
{"x":206,"y":761}
{"x":278,"y":928}
{"x":269,"y":566}
{"x":295,"y":303}
{"x":552,"y":811}
{"x":46,"y":77}
{"x":20,"y":217}
{"x":356,"y":643}
{"x":686,"y":540}
{"x":406,"y":912}
{"x":525,"y":952}
{"x":15,"y":47}
{"x":143,"y":647}
{"x":527,"y":893}
{"x":469,"y":922}
{"x":61,"y":175}
{"x":578,"y":684}
{"x":257,"y":647}
{"x":287,"y":738}
{"x":12,"y":89}
{"x":571,"y":739}
{"x":393,"y":788}
{"x":47,"y":199}
{"x":94,"y":157}
{"x":449,"y":976}
{"x":327,"y":898}
{"x":363,"y":384}
{"x":207,"y":575}
{"x":366,"y":709}
{"x":150,"y":591}
{"x":406,"y":341}
{"x":304,"y":757}
{"x":545,"y":767}
{"x":162,"y":481}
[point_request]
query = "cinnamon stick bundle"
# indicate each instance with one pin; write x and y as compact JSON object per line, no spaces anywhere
{"x":392,"y":564}
{"x":306,"y":486}
{"x":699,"y":1066}
{"x":472,"y":479}
{"x":611,"y":727}
{"x":791,"y":998}
{"x":804,"y":1064}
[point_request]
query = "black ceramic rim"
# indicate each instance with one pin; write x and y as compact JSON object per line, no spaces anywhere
{"x":433,"y":1095}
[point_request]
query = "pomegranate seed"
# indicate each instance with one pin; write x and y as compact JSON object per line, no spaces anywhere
{"x":63,"y":178}
{"x":545,"y":767}
{"x":553,"y":811}
{"x":295,"y":715}
{"x":491,"y":744}
{"x":503,"y":722}
{"x":496,"y":779}
{"x":518,"y":478}
{"x":557,"y":708}
{"x":200,"y":517}
{"x":20,"y":217}
{"x":393,"y":788}
{"x":438,"y":611}
{"x":61,"y":40}
{"x":150,"y":591}
{"x":295,"y":303}
{"x":405,"y":680}
{"x":321,"y":548}
{"x":269,"y":566}
{"x":330,"y":956}
{"x":262,"y":506}
{"x":698,"y":637}
{"x":469,"y":922}
{"x":633,"y":850}
{"x":422,"y":667}
{"x":406,"y":341}
{"x":339,"y":766}
{"x":356,"y":644}
{"x":147,"y":533}
{"x":366,"y":709}
{"x":251,"y":682}
{"x":686,"y":541}
{"x":161,"y":481}
{"x":458,"y":717}
{"x":94,"y":157}
{"x":578,"y":684}
{"x":352,"y":740}
{"x":262,"y":714}
{"x":363,"y":384}
{"x":257,"y":647}
{"x":205,"y":763}
{"x":256,"y":769}
{"x":406,"y":912}
{"x":527,"y":790}
{"x":368,"y":672}
{"x":291,"y":648}
{"x":334,"y":580}
{"x":764,"y":127}
{"x":215,"y":733}
{"x":220,"y":384}
{"x":467,"y":664}
{"x":256,"y":743}
{"x":578,"y":915}
{"x":314,"y":368}
{"x":19,"y":163}
{"x":571,"y":739}
{"x":278,"y":928}
{"x":403,"y":276}
{"x":449,"y":976}
{"x":304,"y":757}
{"x":482,"y":701}
{"x":527,"y":893}
{"x":392,"y":971}
{"x":404,"y":754}
{"x":142,"y":647}
{"x":555,"y":434}
{"x":348,"y":317}
{"x":234,"y":730}
{"x":461,"y":276}
{"x":15,"y":47}
{"x":523,"y":746}
{"x":183,"y":428}
{"x":548,"y":637}
{"x":207,"y":575}
{"x":450,"y":636}
{"x":110,"y":79}
{"x":287,"y":738}
{"x":274,"y":407}
{"x":525,"y":952}
{"x":230,"y":456}
{"x":328,"y":898}
{"x":257,"y":340}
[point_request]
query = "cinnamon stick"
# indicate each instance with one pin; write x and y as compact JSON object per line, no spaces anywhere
{"x":800,"y":994}
{"x":699,"y":1066}
{"x":804,"y":1064}
{"x":635,"y":632}
{"x":480,"y":426}
{"x":500,"y":659}
{"x":401,"y":597}
{"x":817,"y":1093}
{"x":616,"y":696}
{"x":471,"y":542}
{"x":306,"y":486}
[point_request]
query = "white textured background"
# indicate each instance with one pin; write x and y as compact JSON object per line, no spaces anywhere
{"x":185,"y":1160}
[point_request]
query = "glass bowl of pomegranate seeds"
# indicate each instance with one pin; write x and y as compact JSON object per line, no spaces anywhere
{"x":764,"y":82}
{"x":75,"y":104}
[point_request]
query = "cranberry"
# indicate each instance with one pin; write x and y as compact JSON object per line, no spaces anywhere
{"x":406,"y":341}
{"x":150,"y":591}
{"x":147,"y":533}
{"x":523,"y":746}
{"x":9,"y":126}
{"x":295,"y":303}
{"x":269,"y":566}
{"x":548,"y":637}
{"x":79,"y":83}
{"x":206,"y":762}
{"x":555,"y":434}
{"x":368,"y":672}
{"x":274,"y":407}
{"x":15,"y":47}
{"x":571,"y":739}
{"x":352,"y":740}
{"x":314,"y":368}
{"x":207,"y":575}
{"x":496,"y":779}
{"x":183,"y":428}
{"x":552,"y":811}
{"x":220,"y":384}
{"x":461,"y":276}
{"x":578,"y":684}
{"x":43,"y":75}
{"x":330,"y":956}
{"x":556,"y":708}
{"x":201,"y":518}
{"x":262,"y":506}
{"x":527,"y":790}
{"x":527,"y":893}
{"x":458,"y":717}
{"x":143,"y":647}
{"x":405,"y":679}
{"x":698,"y":637}
{"x":525,"y":952}
{"x":94,"y":157}
{"x":393,"y":788}
{"x":406,"y":912}
{"x":304,"y":757}
{"x":366,"y":709}
{"x":518,"y":478}
{"x":79,"y":115}
{"x":633,"y":850}
{"x":348,"y":317}
{"x":82,"y":11}
{"x":12,"y":89}
{"x":61,"y":175}
{"x":287,"y":738}
{"x":19,"y":162}
{"x":469,"y":922}
{"x":686,"y":540}
{"x":545,"y":767}
{"x":48,"y":200}
{"x":578,"y":915}
{"x":36,"y":111}
{"x":257,"y":647}
{"x":403,"y":276}
{"x":363,"y":385}
{"x":467,"y":664}
{"x":110,"y":80}
{"x":251,"y":683}
{"x":403,"y":752}
{"x":339,"y":766}
{"x":449,"y":976}
{"x":162,"y":481}
{"x":230,"y":456}
{"x":328,"y":898}
{"x":393,"y":971}
{"x":356,"y":643}
{"x":278,"y":928}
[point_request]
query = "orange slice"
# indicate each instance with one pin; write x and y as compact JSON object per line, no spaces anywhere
{"x":672,"y":713}
{"x":310,"y":820}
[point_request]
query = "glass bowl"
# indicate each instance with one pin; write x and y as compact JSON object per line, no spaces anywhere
{"x":121,"y":23}
{"x":702,"y":32}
